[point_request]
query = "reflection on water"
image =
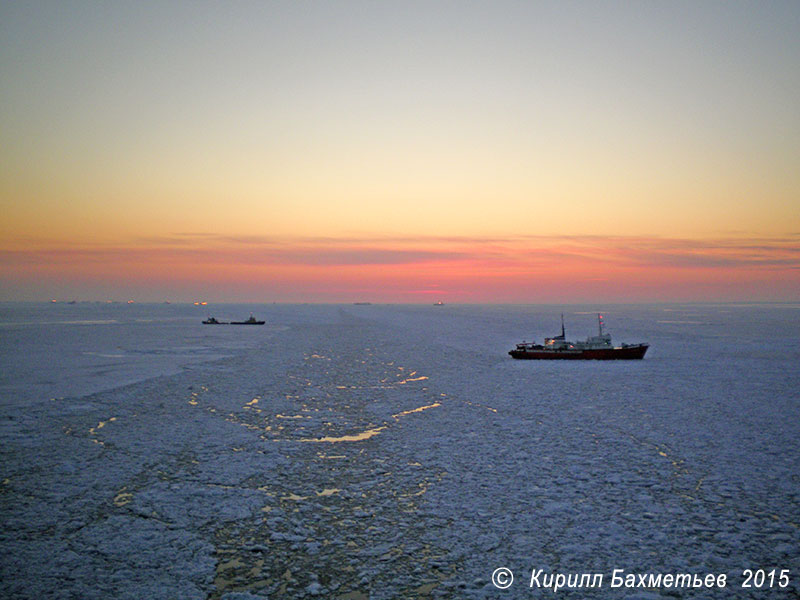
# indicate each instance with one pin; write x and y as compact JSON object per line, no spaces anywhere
{"x":321,"y":494}
{"x":365,"y":435}
{"x":328,"y":509}
{"x":405,"y":381}
{"x":356,"y":437}
{"x":100,"y":425}
{"x":416,"y":410}
{"x":123,"y":497}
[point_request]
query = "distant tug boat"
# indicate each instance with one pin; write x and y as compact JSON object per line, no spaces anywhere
{"x":251,"y":321}
{"x":597,"y":347}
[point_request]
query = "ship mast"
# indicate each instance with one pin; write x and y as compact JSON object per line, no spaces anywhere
{"x":600,"y":323}
{"x":563,"y":334}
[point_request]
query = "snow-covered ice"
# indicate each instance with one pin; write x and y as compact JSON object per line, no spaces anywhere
{"x":376,"y":452}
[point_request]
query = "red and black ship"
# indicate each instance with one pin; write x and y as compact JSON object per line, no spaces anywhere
{"x":596,"y":347}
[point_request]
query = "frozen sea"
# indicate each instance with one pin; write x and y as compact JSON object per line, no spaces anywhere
{"x":394,"y":451}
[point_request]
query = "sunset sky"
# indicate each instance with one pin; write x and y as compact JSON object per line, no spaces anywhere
{"x":400,"y":151}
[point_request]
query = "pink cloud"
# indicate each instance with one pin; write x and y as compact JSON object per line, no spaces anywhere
{"x":469,"y":267}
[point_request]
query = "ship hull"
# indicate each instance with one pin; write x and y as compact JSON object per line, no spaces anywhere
{"x":636,"y":352}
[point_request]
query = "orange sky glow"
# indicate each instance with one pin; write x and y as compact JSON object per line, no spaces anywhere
{"x":519,"y":269}
{"x":400,"y":152}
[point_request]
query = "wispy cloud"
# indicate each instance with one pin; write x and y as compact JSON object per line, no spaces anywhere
{"x":244,"y":255}
{"x":519,"y":252}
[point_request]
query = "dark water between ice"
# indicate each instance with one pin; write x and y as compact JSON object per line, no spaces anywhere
{"x":392,"y":451}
